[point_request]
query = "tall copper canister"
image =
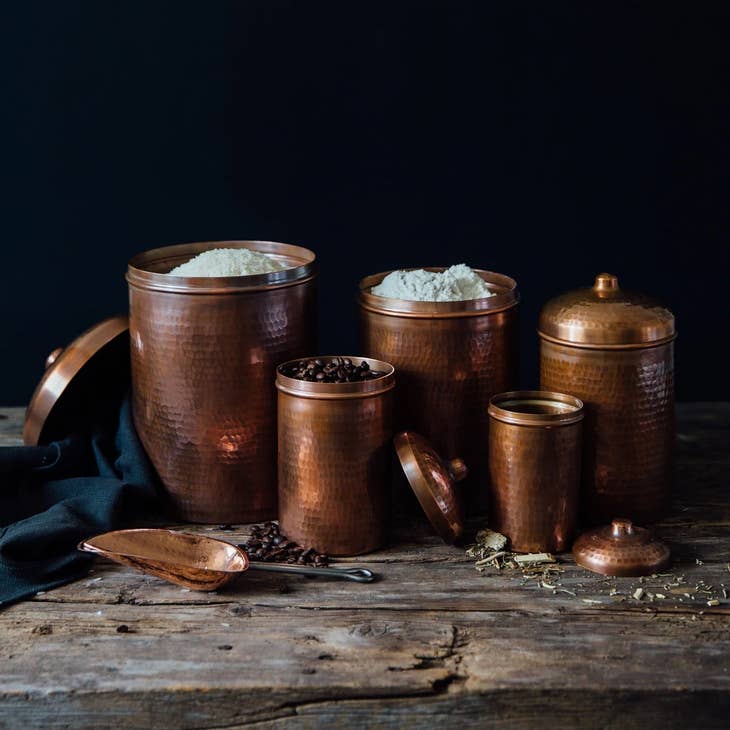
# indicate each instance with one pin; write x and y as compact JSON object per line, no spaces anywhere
{"x":334,"y":460}
{"x":204,"y":355}
{"x":534,"y":461}
{"x":615,"y":351}
{"x":451,"y":358}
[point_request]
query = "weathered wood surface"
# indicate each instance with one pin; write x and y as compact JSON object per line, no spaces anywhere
{"x":434,"y":642}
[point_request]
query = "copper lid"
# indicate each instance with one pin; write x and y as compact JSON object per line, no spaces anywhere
{"x":621,"y":549}
{"x":606,"y":316}
{"x":432,"y":481}
{"x":79,"y":382}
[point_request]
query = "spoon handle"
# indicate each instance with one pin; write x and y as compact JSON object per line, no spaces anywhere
{"x":360,"y":575}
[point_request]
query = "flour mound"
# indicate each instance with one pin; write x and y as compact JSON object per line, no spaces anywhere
{"x":456,"y":284}
{"x":228,"y":262}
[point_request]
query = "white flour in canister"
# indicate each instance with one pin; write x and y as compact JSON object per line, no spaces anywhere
{"x":456,"y":284}
{"x":228,"y":262}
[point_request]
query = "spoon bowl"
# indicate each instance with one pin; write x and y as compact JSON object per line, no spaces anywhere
{"x":194,"y":561}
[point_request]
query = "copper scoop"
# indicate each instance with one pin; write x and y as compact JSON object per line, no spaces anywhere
{"x":195,"y":561}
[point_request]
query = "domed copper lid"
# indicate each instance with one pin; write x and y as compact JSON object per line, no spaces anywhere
{"x":621,"y":549}
{"x":432,"y":481}
{"x":606,"y":316}
{"x":82,"y":380}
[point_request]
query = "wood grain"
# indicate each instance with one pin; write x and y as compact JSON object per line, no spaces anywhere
{"x":433,"y":642}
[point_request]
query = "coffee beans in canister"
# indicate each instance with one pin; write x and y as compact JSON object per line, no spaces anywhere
{"x":332,"y":370}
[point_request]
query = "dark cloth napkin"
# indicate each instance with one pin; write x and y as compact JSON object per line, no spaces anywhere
{"x":53,"y":497}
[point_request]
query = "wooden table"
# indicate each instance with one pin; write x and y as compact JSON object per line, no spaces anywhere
{"x":433,"y":644}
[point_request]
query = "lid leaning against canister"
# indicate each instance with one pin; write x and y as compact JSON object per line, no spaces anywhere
{"x":433,"y":482}
{"x":621,"y":549}
{"x":83,"y":383}
{"x":606,"y":316}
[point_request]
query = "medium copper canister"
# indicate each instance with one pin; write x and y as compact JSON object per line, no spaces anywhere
{"x":615,"y":351}
{"x":334,"y":461}
{"x":534,"y":460}
{"x":204,"y":355}
{"x":451,"y":358}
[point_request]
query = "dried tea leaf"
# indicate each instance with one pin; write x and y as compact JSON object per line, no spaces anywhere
{"x":491,"y":540}
{"x":533,"y":559}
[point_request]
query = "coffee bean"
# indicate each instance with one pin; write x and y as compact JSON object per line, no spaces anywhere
{"x":267,"y":544}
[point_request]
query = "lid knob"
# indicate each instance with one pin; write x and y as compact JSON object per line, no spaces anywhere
{"x":457,"y":469}
{"x":53,"y":356}
{"x":622,"y":527}
{"x":606,"y":282}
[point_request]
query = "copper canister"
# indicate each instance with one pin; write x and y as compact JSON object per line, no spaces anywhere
{"x":615,"y":351}
{"x":204,"y":354}
{"x":534,"y":460}
{"x":451,"y":358}
{"x":334,"y":461}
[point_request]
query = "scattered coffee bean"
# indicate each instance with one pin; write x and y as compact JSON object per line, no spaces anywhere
{"x":268,"y":545}
{"x":336,"y":370}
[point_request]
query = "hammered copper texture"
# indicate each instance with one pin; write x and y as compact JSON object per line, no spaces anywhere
{"x":535,"y":481}
{"x":204,"y":401}
{"x":334,"y":470}
{"x":629,"y":425}
{"x":621,"y":549}
{"x":448,"y":368}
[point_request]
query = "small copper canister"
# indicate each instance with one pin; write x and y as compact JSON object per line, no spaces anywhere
{"x":204,"y":354}
{"x":534,"y":461}
{"x":615,"y":351}
{"x":451,"y":358}
{"x":334,"y":460}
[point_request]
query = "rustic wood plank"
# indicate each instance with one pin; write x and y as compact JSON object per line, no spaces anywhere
{"x":11,"y":426}
{"x":433,"y":642}
{"x":277,"y":665}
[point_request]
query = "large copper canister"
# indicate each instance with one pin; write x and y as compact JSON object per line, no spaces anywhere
{"x":204,"y":355}
{"x":334,"y":461}
{"x":451,"y":358}
{"x":534,"y":460}
{"x":615,"y":351}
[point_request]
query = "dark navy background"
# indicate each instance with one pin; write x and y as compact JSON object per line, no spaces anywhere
{"x":548,"y":141}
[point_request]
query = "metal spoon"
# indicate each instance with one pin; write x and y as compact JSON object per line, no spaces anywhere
{"x":197,"y":562}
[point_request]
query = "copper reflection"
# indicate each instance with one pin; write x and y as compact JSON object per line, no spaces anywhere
{"x":451,"y":358}
{"x":204,"y":355}
{"x":334,"y":461}
{"x":534,"y":460}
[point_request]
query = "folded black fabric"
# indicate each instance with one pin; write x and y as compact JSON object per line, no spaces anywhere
{"x":52,"y":497}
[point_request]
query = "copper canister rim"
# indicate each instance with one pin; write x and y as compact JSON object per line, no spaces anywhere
{"x":149,"y":269}
{"x":608,"y":346}
{"x":536,"y":408}
{"x":506,"y":297}
{"x":337,"y":391}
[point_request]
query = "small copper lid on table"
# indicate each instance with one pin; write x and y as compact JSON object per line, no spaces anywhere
{"x":432,"y":480}
{"x":80,"y":381}
{"x":606,"y":316}
{"x":621,"y":549}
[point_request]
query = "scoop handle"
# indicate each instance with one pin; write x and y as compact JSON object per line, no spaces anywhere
{"x":360,"y":575}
